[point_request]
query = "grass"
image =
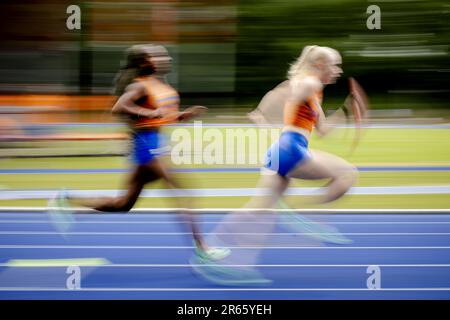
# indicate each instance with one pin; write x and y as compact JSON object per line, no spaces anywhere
{"x":376,"y":146}
{"x":410,"y":147}
{"x":210,"y":180}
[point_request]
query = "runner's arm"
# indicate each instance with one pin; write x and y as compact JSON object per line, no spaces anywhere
{"x":126,"y":104}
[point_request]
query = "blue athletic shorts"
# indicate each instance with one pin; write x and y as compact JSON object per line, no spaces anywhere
{"x":285,"y":154}
{"x":146,"y":146}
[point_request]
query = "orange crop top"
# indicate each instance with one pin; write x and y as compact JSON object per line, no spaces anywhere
{"x":306,"y":114}
{"x":159,"y":95}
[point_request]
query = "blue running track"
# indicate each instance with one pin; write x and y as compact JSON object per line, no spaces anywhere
{"x":148,"y":258}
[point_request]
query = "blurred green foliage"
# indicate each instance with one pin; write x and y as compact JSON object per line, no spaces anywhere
{"x":407,"y":57}
{"x":230,"y":50}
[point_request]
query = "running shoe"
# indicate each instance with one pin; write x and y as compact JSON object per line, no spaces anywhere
{"x":226,"y":275}
{"x":300,"y":224}
{"x":214,"y":254}
{"x":60,"y":212}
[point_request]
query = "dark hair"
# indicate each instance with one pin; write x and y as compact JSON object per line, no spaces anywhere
{"x":135,"y":57}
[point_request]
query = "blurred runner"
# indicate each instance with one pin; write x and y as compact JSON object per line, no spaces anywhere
{"x":299,"y":101}
{"x":146,"y":102}
{"x":291,"y":157}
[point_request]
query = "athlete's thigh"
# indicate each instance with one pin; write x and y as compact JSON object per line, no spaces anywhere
{"x":334,"y":162}
{"x":321,"y":165}
{"x":154,"y":170}
{"x":273,"y":182}
{"x":158,"y":169}
{"x":135,"y":183}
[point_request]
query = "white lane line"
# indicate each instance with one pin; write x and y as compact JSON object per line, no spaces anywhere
{"x":225,"y":192}
{"x":226,"y":222}
{"x":240,"y":265}
{"x":228,"y":210}
{"x":227,"y":233}
{"x":11,"y":246}
{"x":215,"y":289}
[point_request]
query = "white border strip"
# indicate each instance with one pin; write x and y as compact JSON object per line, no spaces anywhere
{"x":14,"y":194}
{"x":41,"y":233}
{"x":227,"y":210}
{"x":7,"y":246}
{"x":148,"y":222}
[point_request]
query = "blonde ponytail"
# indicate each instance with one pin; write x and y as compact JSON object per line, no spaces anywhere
{"x":300,"y":63}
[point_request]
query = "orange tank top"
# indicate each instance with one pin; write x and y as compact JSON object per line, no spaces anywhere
{"x":159,"y":95}
{"x":306,"y":114}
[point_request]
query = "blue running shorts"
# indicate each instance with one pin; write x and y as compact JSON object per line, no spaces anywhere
{"x":285,"y":154}
{"x":146,"y":146}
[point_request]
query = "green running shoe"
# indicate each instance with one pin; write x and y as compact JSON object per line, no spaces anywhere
{"x":213,"y":254}
{"x":226,"y":275}
{"x":321,"y":232}
{"x":60,"y":212}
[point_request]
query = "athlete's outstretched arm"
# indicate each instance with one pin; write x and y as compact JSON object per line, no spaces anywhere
{"x":191,"y":112}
